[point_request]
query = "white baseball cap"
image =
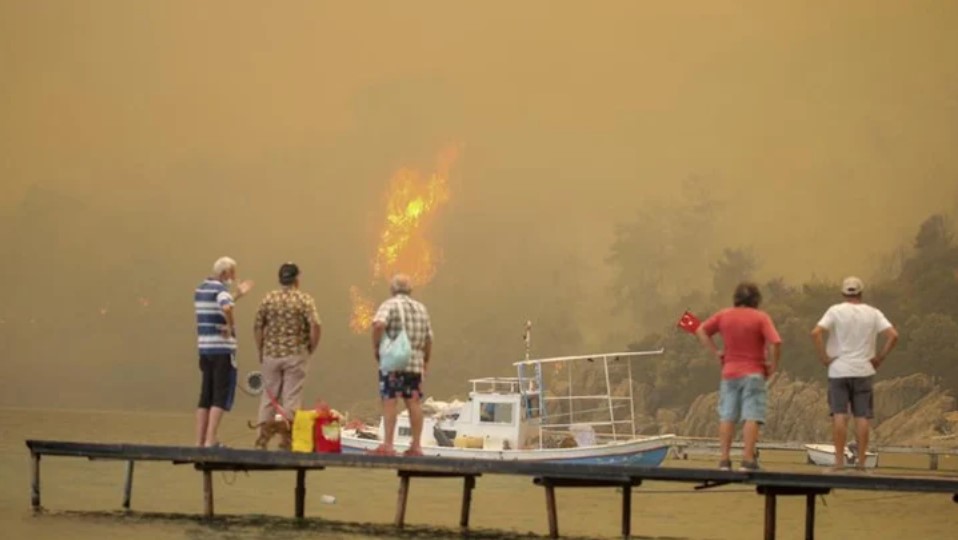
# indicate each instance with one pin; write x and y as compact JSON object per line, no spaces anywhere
{"x":852,"y":286}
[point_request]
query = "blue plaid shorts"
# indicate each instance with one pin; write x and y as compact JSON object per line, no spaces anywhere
{"x":402,"y":384}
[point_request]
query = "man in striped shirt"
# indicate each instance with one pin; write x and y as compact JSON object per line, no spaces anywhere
{"x":216,"y":336}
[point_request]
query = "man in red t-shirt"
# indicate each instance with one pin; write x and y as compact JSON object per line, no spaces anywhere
{"x":747,"y":334}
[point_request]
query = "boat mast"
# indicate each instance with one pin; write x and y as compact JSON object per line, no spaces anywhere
{"x":608,"y":395}
{"x":527,"y":337}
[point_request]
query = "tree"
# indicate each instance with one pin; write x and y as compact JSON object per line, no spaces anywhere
{"x":659,"y":257}
{"x":732,"y":268}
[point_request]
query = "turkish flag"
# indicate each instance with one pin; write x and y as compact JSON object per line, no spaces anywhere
{"x":689,"y":322}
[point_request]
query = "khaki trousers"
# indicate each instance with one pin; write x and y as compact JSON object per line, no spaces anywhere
{"x":284,"y":378}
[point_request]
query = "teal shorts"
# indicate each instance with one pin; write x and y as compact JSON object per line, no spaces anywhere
{"x":742,"y":399}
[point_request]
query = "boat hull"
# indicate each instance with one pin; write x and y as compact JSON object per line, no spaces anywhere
{"x":647,"y":452}
{"x":824,"y":455}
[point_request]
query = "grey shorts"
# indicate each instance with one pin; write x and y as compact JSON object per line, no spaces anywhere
{"x":851,"y":392}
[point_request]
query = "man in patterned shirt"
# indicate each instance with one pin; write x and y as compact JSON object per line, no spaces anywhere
{"x":406,"y":383}
{"x":287,"y":331}
{"x":216,"y":336}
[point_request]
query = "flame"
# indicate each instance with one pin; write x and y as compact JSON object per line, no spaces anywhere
{"x":412,"y":201}
{"x":363,"y":310}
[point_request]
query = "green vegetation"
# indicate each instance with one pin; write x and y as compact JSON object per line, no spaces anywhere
{"x":919,"y":295}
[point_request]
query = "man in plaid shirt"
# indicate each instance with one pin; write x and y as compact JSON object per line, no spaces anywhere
{"x":407,"y":383}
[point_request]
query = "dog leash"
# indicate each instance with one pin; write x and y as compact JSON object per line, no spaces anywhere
{"x":276,"y":406}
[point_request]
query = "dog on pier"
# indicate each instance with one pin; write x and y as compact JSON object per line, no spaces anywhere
{"x":269,"y":429}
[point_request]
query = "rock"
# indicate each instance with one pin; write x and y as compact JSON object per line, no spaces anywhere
{"x":910,"y":410}
{"x":667,"y":420}
{"x":702,"y":418}
{"x":896,"y":395}
{"x":797,"y":411}
{"x":924,"y":423}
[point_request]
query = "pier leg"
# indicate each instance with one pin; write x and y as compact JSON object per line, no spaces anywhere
{"x":769,"y":516}
{"x":300,"y":493}
{"x":469,"y":483}
{"x":626,"y":511}
{"x":128,"y":486}
{"x":35,"y":482}
{"x":551,"y":510}
{"x":208,"y":494}
{"x":401,"y":502}
{"x":933,"y":462}
{"x":810,"y":517}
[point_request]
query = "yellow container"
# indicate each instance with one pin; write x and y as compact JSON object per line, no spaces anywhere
{"x":465,"y":441}
{"x":303,"y":422}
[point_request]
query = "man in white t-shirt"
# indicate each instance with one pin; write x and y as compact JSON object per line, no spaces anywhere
{"x":852,"y":328}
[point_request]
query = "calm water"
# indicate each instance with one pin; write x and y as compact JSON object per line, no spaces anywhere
{"x":83,"y":497}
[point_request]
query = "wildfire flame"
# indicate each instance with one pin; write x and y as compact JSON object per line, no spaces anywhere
{"x":363,"y":310}
{"x":411,"y":204}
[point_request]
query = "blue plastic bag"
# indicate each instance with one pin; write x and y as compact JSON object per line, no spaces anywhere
{"x":395,"y":354}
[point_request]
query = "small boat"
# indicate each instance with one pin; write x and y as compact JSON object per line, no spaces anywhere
{"x":512,"y":418}
{"x":824,"y":455}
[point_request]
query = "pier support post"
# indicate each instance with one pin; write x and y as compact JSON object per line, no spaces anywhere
{"x":810,"y":516}
{"x":551,"y":509}
{"x":772,"y":492}
{"x":933,"y":461}
{"x":770,"y":503}
{"x":624,"y":483}
{"x":207,"y":493}
{"x":35,"y":481}
{"x":405,"y":477}
{"x":403,"y":497}
{"x":300,"y":493}
{"x":128,"y":485}
{"x":468,"y":484}
{"x":626,"y":511}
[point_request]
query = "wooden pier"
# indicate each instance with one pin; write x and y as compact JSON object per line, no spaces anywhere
{"x":685,"y":446}
{"x":549,"y":475}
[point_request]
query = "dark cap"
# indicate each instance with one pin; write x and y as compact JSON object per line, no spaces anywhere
{"x":288,"y":273}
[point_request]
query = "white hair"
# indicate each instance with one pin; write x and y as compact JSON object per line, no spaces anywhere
{"x":223,"y":264}
{"x":400,"y":284}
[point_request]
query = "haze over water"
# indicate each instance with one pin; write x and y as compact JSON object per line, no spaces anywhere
{"x":141,"y":141}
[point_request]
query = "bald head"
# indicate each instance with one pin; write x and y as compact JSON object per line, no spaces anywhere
{"x":400,"y":284}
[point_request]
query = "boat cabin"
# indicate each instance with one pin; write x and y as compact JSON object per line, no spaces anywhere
{"x":502,"y":413}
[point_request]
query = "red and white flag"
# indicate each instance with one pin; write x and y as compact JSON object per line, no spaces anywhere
{"x":689,"y":322}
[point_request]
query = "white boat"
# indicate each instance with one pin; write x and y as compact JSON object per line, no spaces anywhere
{"x":511,"y":418}
{"x":824,"y":455}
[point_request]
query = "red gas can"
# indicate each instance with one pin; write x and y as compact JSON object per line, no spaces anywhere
{"x":327,"y":431}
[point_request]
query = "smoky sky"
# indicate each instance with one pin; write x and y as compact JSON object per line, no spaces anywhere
{"x":141,"y":140}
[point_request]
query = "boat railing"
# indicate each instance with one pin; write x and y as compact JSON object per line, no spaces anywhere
{"x":508,"y":385}
{"x":615,"y":407}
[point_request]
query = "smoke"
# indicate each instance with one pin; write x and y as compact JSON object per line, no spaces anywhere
{"x":137,"y":145}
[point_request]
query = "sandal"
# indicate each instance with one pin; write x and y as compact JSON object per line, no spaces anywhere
{"x":381,"y":450}
{"x":412,"y":453}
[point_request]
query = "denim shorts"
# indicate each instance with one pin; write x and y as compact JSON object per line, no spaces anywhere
{"x":742,"y":399}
